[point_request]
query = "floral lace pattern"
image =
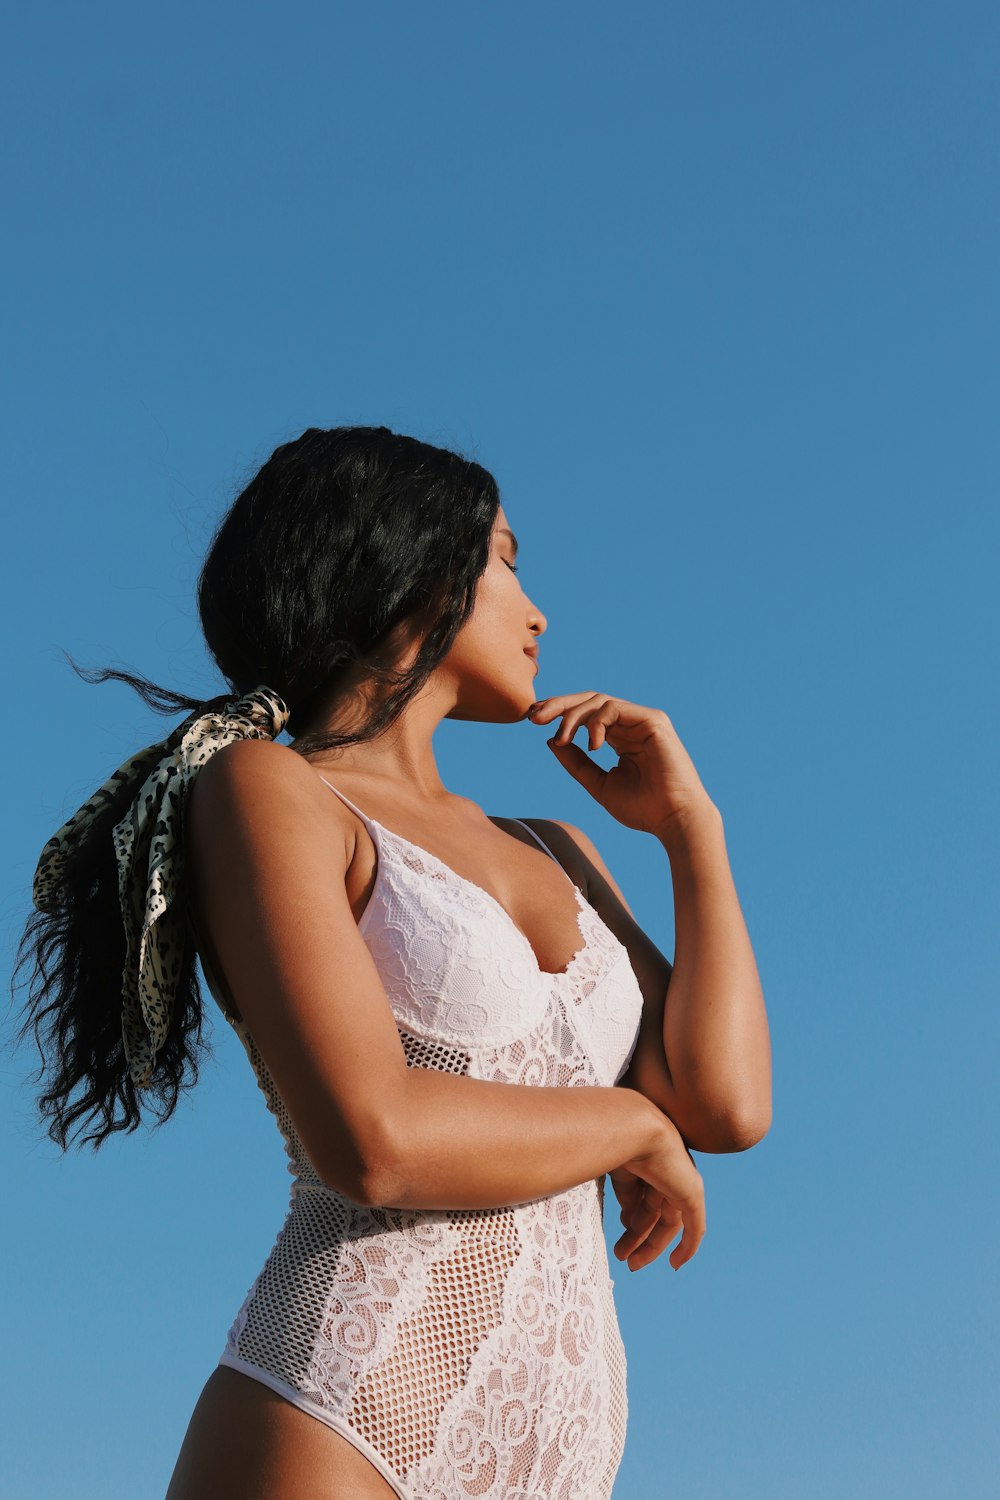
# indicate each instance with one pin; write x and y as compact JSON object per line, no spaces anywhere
{"x":471,"y":1354}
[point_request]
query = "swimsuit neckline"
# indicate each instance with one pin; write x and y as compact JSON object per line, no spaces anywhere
{"x":583,"y":905}
{"x":560,"y":976}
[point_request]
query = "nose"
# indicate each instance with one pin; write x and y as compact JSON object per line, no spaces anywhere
{"x":537,"y":621}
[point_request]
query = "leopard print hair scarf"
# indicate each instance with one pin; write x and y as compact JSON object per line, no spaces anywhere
{"x":149,"y":849}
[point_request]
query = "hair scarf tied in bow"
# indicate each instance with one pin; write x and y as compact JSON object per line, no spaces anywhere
{"x":149,"y":848}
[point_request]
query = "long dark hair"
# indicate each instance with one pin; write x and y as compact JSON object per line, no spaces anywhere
{"x":341,"y":537}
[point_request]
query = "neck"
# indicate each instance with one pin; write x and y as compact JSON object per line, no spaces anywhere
{"x":401,"y":757}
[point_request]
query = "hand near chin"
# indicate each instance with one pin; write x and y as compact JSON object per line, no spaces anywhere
{"x":654,"y":782}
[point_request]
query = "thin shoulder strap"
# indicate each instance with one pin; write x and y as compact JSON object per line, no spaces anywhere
{"x":545,"y":846}
{"x":344,"y":798}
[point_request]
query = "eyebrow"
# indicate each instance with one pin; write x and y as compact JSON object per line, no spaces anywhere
{"x":506,"y":531}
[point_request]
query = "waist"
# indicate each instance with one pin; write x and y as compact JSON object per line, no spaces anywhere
{"x":557,"y":1212}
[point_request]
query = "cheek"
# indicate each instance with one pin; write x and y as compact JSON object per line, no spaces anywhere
{"x":493,"y":621}
{"x":493,"y":601}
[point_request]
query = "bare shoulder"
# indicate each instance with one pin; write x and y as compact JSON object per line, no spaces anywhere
{"x":246,"y":766}
{"x":579,"y":854}
{"x":260,"y":785}
{"x":580,"y":857}
{"x":271,"y":846}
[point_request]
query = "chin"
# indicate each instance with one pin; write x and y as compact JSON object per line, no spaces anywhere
{"x":496,"y":710}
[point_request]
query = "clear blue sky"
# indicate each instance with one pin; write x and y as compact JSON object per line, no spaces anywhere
{"x":712,"y":291}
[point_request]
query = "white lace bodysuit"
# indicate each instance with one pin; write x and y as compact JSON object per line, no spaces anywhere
{"x":468,"y":1354}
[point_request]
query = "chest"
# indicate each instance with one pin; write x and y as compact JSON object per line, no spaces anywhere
{"x":524,"y":882}
{"x":460,"y":974}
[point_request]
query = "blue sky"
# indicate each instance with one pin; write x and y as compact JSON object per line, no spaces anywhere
{"x":712,"y":292}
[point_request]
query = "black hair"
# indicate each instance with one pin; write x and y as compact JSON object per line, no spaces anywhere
{"x":341,"y":537}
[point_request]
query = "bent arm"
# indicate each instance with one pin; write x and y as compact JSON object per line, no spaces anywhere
{"x":454,"y":1142}
{"x":714,"y":1034}
{"x":268,"y":852}
{"x":703,"y":1054}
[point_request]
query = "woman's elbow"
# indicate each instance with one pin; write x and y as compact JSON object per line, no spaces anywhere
{"x":728,"y":1131}
{"x":749,"y":1131}
{"x":368,"y":1169}
{"x":376,"y":1187}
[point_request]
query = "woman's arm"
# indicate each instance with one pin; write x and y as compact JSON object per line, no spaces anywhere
{"x":268,"y":853}
{"x":703,"y":1054}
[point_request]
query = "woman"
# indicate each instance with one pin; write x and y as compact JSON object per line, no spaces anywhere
{"x":455,"y":1019}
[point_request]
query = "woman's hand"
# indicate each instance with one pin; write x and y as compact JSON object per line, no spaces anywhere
{"x":649,"y":1223}
{"x":654,"y":781}
{"x":660,"y":1195}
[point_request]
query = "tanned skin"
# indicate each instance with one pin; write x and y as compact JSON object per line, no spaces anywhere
{"x":283,"y":940}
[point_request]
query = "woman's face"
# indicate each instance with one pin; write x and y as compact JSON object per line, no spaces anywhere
{"x":488,"y":665}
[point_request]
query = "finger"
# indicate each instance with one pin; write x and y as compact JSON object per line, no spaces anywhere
{"x":597,"y":722}
{"x":574,"y":718}
{"x":628,"y":1208}
{"x":631,"y":715}
{"x":578,"y":763}
{"x":628,"y":1189}
{"x":633,"y":1237}
{"x":550,"y":708}
{"x":600,"y":721}
{"x":654,"y":1244}
{"x":627,"y":1245}
{"x":694,"y":1233}
{"x":642,"y":1222}
{"x":629,"y":1242}
{"x":629,"y":1199}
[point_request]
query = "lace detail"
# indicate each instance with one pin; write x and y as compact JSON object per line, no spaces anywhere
{"x":476,"y":1353}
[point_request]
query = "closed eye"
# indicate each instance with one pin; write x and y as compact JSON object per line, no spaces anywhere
{"x":512,"y":566}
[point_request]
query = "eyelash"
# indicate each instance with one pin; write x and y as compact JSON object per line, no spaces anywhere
{"x":513,"y":567}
